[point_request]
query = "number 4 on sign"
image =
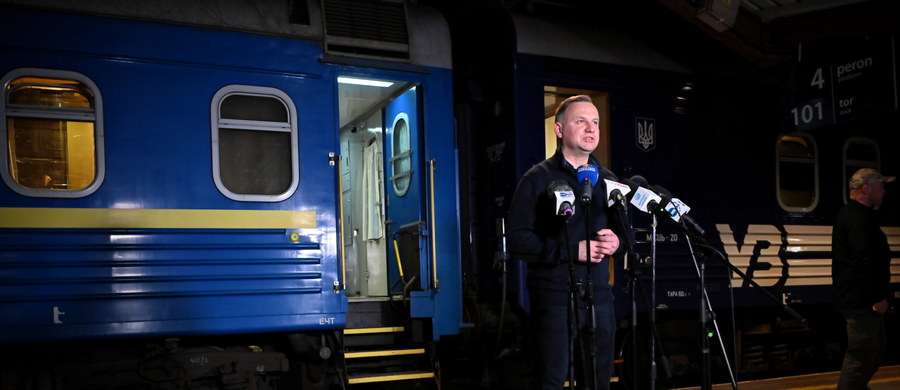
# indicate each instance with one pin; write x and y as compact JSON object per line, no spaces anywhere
{"x":818,"y":80}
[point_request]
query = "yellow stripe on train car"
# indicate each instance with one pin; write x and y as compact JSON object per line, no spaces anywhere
{"x":28,"y":217}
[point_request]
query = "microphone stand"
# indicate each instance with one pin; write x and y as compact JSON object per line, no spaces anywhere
{"x":588,"y":345}
{"x":633,"y":267}
{"x":572,"y":316}
{"x":694,"y":234}
{"x":707,"y":313}
{"x":654,"y":336}
{"x":706,"y":308}
{"x":631,"y":264}
{"x":652,"y":308}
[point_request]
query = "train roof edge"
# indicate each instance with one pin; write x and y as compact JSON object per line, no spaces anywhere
{"x":424,"y":30}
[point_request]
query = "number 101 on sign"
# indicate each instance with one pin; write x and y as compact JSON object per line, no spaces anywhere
{"x":808,"y":113}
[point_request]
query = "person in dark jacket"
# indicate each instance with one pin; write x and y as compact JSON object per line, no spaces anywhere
{"x":547,"y":242}
{"x":861,"y":277}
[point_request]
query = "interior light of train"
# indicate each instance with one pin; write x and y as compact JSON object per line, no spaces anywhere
{"x":366,"y":82}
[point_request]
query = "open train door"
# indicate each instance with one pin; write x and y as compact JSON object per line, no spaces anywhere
{"x":382,"y":188}
{"x":385,"y":225}
{"x":405,"y":221}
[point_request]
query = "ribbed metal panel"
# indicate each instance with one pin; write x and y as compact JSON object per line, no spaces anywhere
{"x":366,"y":28}
{"x":76,"y":283}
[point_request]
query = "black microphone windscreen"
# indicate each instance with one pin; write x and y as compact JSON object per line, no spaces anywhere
{"x":662,"y":191}
{"x":607,"y":174}
{"x":631,"y":184}
{"x":558,"y":185}
{"x":640,"y":180}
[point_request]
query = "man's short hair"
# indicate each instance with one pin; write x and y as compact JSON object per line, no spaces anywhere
{"x":564,"y":106}
{"x":868,"y":176}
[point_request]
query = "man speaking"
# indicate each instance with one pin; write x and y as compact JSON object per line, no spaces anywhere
{"x":563,"y":265}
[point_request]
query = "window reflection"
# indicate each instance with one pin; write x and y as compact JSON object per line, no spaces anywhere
{"x":50,"y":134}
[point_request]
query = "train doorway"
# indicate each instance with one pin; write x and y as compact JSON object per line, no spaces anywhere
{"x":383,"y":215}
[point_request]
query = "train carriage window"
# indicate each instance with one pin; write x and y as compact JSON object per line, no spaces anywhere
{"x":401,"y":161}
{"x":254,"y":138}
{"x":53,"y":131}
{"x":797,"y":173}
{"x":858,"y":153}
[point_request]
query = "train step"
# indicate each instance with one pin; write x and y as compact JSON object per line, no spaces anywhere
{"x":384,"y":353}
{"x":389,"y":377}
{"x":382,"y":345}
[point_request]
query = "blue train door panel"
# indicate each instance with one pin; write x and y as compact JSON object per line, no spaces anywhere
{"x":405,"y":219}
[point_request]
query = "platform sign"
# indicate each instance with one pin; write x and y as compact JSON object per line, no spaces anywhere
{"x":839,"y":82}
{"x":813,"y":105}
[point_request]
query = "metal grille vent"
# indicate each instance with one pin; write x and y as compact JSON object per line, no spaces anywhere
{"x":366,"y":28}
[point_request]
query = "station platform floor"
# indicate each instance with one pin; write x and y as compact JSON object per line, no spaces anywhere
{"x":887,"y":378}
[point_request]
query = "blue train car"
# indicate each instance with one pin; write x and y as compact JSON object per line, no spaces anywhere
{"x":755,"y":155}
{"x":250,"y":193}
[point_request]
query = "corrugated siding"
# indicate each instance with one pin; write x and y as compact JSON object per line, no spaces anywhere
{"x":113,"y":282}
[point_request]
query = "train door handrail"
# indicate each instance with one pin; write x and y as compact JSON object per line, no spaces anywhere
{"x":335,"y":159}
{"x":436,"y":283}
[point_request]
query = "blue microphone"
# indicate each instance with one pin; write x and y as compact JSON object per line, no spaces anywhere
{"x":587,"y":175}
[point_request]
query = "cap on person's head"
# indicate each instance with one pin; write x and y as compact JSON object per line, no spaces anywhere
{"x":868,"y":176}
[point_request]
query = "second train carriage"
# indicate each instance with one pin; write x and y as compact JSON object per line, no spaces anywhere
{"x":737,"y":144}
{"x":225,"y":194}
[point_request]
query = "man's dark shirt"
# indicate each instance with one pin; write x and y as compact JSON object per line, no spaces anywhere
{"x":860,"y":269}
{"x":537,"y":234}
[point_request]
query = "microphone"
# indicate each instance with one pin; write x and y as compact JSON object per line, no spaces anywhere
{"x":587,"y":175}
{"x":659,"y":200}
{"x":677,"y":210}
{"x":644,"y":199}
{"x":563,"y":196}
{"x":615,"y":191}
{"x":667,"y":206}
